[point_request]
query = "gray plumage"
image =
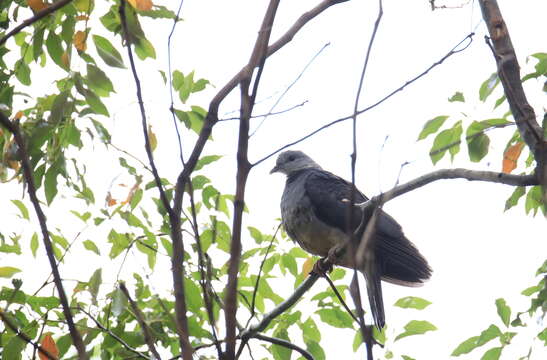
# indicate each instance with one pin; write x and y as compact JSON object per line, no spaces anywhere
{"x":314,"y":209}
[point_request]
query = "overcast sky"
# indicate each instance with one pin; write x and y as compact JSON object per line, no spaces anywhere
{"x":478,"y":252}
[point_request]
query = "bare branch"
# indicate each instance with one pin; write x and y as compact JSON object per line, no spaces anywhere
{"x":140,"y":319}
{"x":39,"y":15}
{"x":174,"y":216}
{"x":31,"y":188}
{"x":509,"y":74}
{"x":471,"y":175}
{"x":24,"y":336}
{"x":456,"y":49}
{"x":256,"y":61}
{"x":269,"y":113}
{"x":284,"y":343}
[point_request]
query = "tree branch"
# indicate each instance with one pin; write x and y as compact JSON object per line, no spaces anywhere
{"x":25,"y":337}
{"x":140,"y":319}
{"x":39,"y":15}
{"x":456,"y":49}
{"x":284,"y":343}
{"x":281,"y":308}
{"x":471,"y":175}
{"x":114,"y":336}
{"x":177,"y":259}
{"x":31,"y":189}
{"x":256,"y":61}
{"x":509,"y":74}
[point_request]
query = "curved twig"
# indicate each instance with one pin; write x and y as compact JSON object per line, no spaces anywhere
{"x":39,"y":15}
{"x":284,"y":343}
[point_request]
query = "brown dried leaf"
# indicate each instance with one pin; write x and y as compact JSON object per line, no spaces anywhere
{"x":110,"y":201}
{"x":36,"y":5}
{"x":511,"y":156}
{"x":48,"y":344}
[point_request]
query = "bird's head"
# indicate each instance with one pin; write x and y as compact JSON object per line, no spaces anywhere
{"x":293,"y":160}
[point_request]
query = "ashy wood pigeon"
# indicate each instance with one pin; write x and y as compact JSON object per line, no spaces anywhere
{"x":315,"y":213}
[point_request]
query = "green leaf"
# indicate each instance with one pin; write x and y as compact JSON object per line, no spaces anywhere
{"x":412,"y":302}
{"x":406,"y":357}
{"x":448,"y":139}
{"x":504,"y":311}
{"x":458,"y":96}
{"x":492,"y":354}
{"x":310,"y":332}
{"x":515,"y":197}
{"x":94,"y":284}
{"x":119,"y":302}
{"x":108,"y":52}
{"x":488,"y":86}
{"x":55,"y":49}
{"x":95,"y":102}
{"x":22,"y":208}
{"x":477,"y":147}
{"x":432,"y":126}
{"x":50,"y":183}
{"x":290,"y":263}
{"x":337,"y":274}
{"x":416,"y":327}
{"x":34,"y":244}
{"x":315,"y":350}
{"x":8,"y":271}
{"x":357,"y":340}
{"x":14,"y":348}
{"x":336,"y":317}
{"x":90,"y":245}
{"x":532,"y":289}
{"x":58,"y":108}
{"x":98,"y":81}
{"x":281,"y":352}
{"x":144,"y":49}
{"x":534,"y":200}
{"x":206,"y":160}
{"x":22,"y":72}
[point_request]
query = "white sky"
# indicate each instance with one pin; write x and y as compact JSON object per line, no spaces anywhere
{"x":478,"y":252}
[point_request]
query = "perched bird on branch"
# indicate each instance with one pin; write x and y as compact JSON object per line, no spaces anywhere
{"x":315,"y":208}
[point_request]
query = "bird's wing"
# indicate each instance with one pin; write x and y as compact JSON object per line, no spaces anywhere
{"x":329,"y":196}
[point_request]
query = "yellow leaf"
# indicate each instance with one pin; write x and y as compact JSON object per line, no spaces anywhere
{"x":79,"y":40}
{"x":307,"y":267}
{"x":131,"y":193}
{"x":141,"y":5}
{"x":82,"y":18}
{"x":18,"y":115}
{"x":65,"y":59}
{"x":14,"y":165}
{"x":48,"y":344}
{"x":36,"y":5}
{"x":511,"y":156}
{"x":153,"y":139}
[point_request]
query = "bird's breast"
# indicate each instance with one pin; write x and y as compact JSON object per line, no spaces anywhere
{"x":303,"y":226}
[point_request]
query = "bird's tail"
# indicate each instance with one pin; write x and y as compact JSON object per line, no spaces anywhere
{"x":375,"y":298}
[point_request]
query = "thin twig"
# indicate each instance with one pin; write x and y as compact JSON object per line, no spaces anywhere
{"x":284,"y":343}
{"x":269,"y":113}
{"x":24,"y":336}
{"x":341,"y":299}
{"x":366,"y":332}
{"x":31,"y":188}
{"x":39,"y":15}
{"x":255,"y":291}
{"x":454,"y":50}
{"x":114,"y":336}
{"x":281,"y":308}
{"x":140,"y":319}
{"x":289,"y":87}
{"x":169,"y":69}
{"x":174,"y":216}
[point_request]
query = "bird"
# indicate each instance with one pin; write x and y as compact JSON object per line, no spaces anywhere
{"x":315,"y":214}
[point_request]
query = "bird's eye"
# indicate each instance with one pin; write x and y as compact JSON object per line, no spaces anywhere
{"x":291,"y":158}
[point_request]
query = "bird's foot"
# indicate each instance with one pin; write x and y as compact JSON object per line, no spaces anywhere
{"x":322,"y":267}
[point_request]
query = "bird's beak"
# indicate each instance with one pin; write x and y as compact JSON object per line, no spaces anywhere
{"x":275,"y":169}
